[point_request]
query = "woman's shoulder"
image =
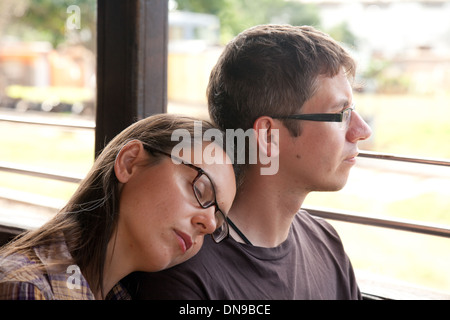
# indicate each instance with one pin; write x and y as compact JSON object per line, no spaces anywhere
{"x":21,"y":278}
{"x":19,"y":267}
{"x":42,"y":272}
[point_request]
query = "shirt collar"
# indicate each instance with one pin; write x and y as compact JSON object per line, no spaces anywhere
{"x":65,"y":277}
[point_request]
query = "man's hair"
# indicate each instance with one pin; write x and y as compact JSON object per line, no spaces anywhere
{"x":270,"y":70}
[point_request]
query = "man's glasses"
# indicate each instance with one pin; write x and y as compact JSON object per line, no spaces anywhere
{"x":342,"y":117}
{"x":205,"y":194}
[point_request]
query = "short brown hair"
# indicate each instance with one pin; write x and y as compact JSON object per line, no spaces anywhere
{"x":271,"y":69}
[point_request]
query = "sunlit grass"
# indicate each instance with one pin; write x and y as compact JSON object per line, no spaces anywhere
{"x":65,"y":152}
{"x":34,"y":185}
{"x":47,"y":147}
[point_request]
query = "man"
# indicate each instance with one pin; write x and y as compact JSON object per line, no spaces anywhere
{"x":266,"y":77}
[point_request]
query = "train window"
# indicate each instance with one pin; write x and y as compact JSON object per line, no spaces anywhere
{"x":47,"y":104}
{"x":191,"y":56}
{"x":401,"y":90}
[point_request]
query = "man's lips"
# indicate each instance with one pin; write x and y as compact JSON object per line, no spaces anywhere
{"x":352,"y":158}
{"x":184,"y":240}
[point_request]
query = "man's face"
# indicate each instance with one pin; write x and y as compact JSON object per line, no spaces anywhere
{"x":320,"y":158}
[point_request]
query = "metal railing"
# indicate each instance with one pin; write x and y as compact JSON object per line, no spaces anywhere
{"x":40,"y":173}
{"x":46,"y":121}
{"x":393,"y":157}
{"x":383,"y":222}
{"x":332,"y":214}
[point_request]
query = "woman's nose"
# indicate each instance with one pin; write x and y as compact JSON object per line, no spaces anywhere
{"x":204,"y":220}
{"x":358,"y":128}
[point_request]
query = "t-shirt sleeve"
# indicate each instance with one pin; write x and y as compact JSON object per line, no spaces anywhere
{"x":345,"y":261}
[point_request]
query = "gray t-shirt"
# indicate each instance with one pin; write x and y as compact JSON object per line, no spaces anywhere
{"x":310,"y":264}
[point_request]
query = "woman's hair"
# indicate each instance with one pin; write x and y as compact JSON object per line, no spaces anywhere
{"x":89,"y":219}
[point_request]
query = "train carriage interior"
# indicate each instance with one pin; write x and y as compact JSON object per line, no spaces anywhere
{"x":72,"y":81}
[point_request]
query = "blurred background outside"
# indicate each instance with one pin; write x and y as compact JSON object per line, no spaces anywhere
{"x":402,"y":89}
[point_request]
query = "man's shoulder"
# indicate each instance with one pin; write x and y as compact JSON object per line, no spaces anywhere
{"x":303,"y":219}
{"x":316,"y":229}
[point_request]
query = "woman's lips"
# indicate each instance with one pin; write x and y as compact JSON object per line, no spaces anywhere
{"x":184,"y":240}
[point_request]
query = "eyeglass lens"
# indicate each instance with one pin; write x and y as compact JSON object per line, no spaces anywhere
{"x":346,"y":116}
{"x":222,"y":231}
{"x":206,"y":197}
{"x":204,"y":191}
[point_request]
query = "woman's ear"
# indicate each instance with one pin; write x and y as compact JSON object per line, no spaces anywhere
{"x":127,"y":159}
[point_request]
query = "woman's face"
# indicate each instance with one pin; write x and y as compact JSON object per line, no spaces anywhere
{"x":161,"y":223}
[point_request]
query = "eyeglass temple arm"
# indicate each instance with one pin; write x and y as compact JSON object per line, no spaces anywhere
{"x":314,"y":117}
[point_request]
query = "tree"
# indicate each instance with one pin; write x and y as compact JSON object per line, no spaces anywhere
{"x":238,"y":15}
{"x":341,"y":32}
{"x":45,"y":20}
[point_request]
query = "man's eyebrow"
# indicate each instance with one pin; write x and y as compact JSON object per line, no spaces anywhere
{"x":341,"y":104}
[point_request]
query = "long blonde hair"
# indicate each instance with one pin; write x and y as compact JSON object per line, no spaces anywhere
{"x":89,"y":219}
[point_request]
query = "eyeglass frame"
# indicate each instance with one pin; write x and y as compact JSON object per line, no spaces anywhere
{"x":323,"y":117}
{"x":200,"y":172}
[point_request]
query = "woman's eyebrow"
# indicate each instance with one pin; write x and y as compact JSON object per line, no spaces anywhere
{"x":212,"y":181}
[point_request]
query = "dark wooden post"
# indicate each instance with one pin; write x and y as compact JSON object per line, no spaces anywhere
{"x":131,"y":64}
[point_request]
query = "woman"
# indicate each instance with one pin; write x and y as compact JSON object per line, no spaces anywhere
{"x":137,"y":210}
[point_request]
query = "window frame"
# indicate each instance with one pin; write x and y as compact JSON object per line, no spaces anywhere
{"x":131,"y":64}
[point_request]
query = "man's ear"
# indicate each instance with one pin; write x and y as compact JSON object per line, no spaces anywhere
{"x":267,"y":136}
{"x":127,"y":159}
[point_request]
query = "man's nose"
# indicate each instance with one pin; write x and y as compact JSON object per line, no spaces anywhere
{"x":358,"y":128}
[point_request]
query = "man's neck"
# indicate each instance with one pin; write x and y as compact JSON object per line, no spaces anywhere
{"x":264,"y":211}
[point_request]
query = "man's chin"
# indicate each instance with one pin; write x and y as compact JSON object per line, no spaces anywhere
{"x":332,"y":187}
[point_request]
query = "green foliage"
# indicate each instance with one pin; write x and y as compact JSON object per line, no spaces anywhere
{"x":375,"y":68}
{"x":341,"y":32}
{"x":238,"y":15}
{"x":45,"y":20}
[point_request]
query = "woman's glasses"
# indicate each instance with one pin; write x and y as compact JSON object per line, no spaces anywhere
{"x":205,"y":194}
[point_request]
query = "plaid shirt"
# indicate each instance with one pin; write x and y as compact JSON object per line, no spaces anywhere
{"x":20,"y":281}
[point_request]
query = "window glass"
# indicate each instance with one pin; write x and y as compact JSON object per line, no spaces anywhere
{"x":47,"y":76}
{"x":402,"y":90}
